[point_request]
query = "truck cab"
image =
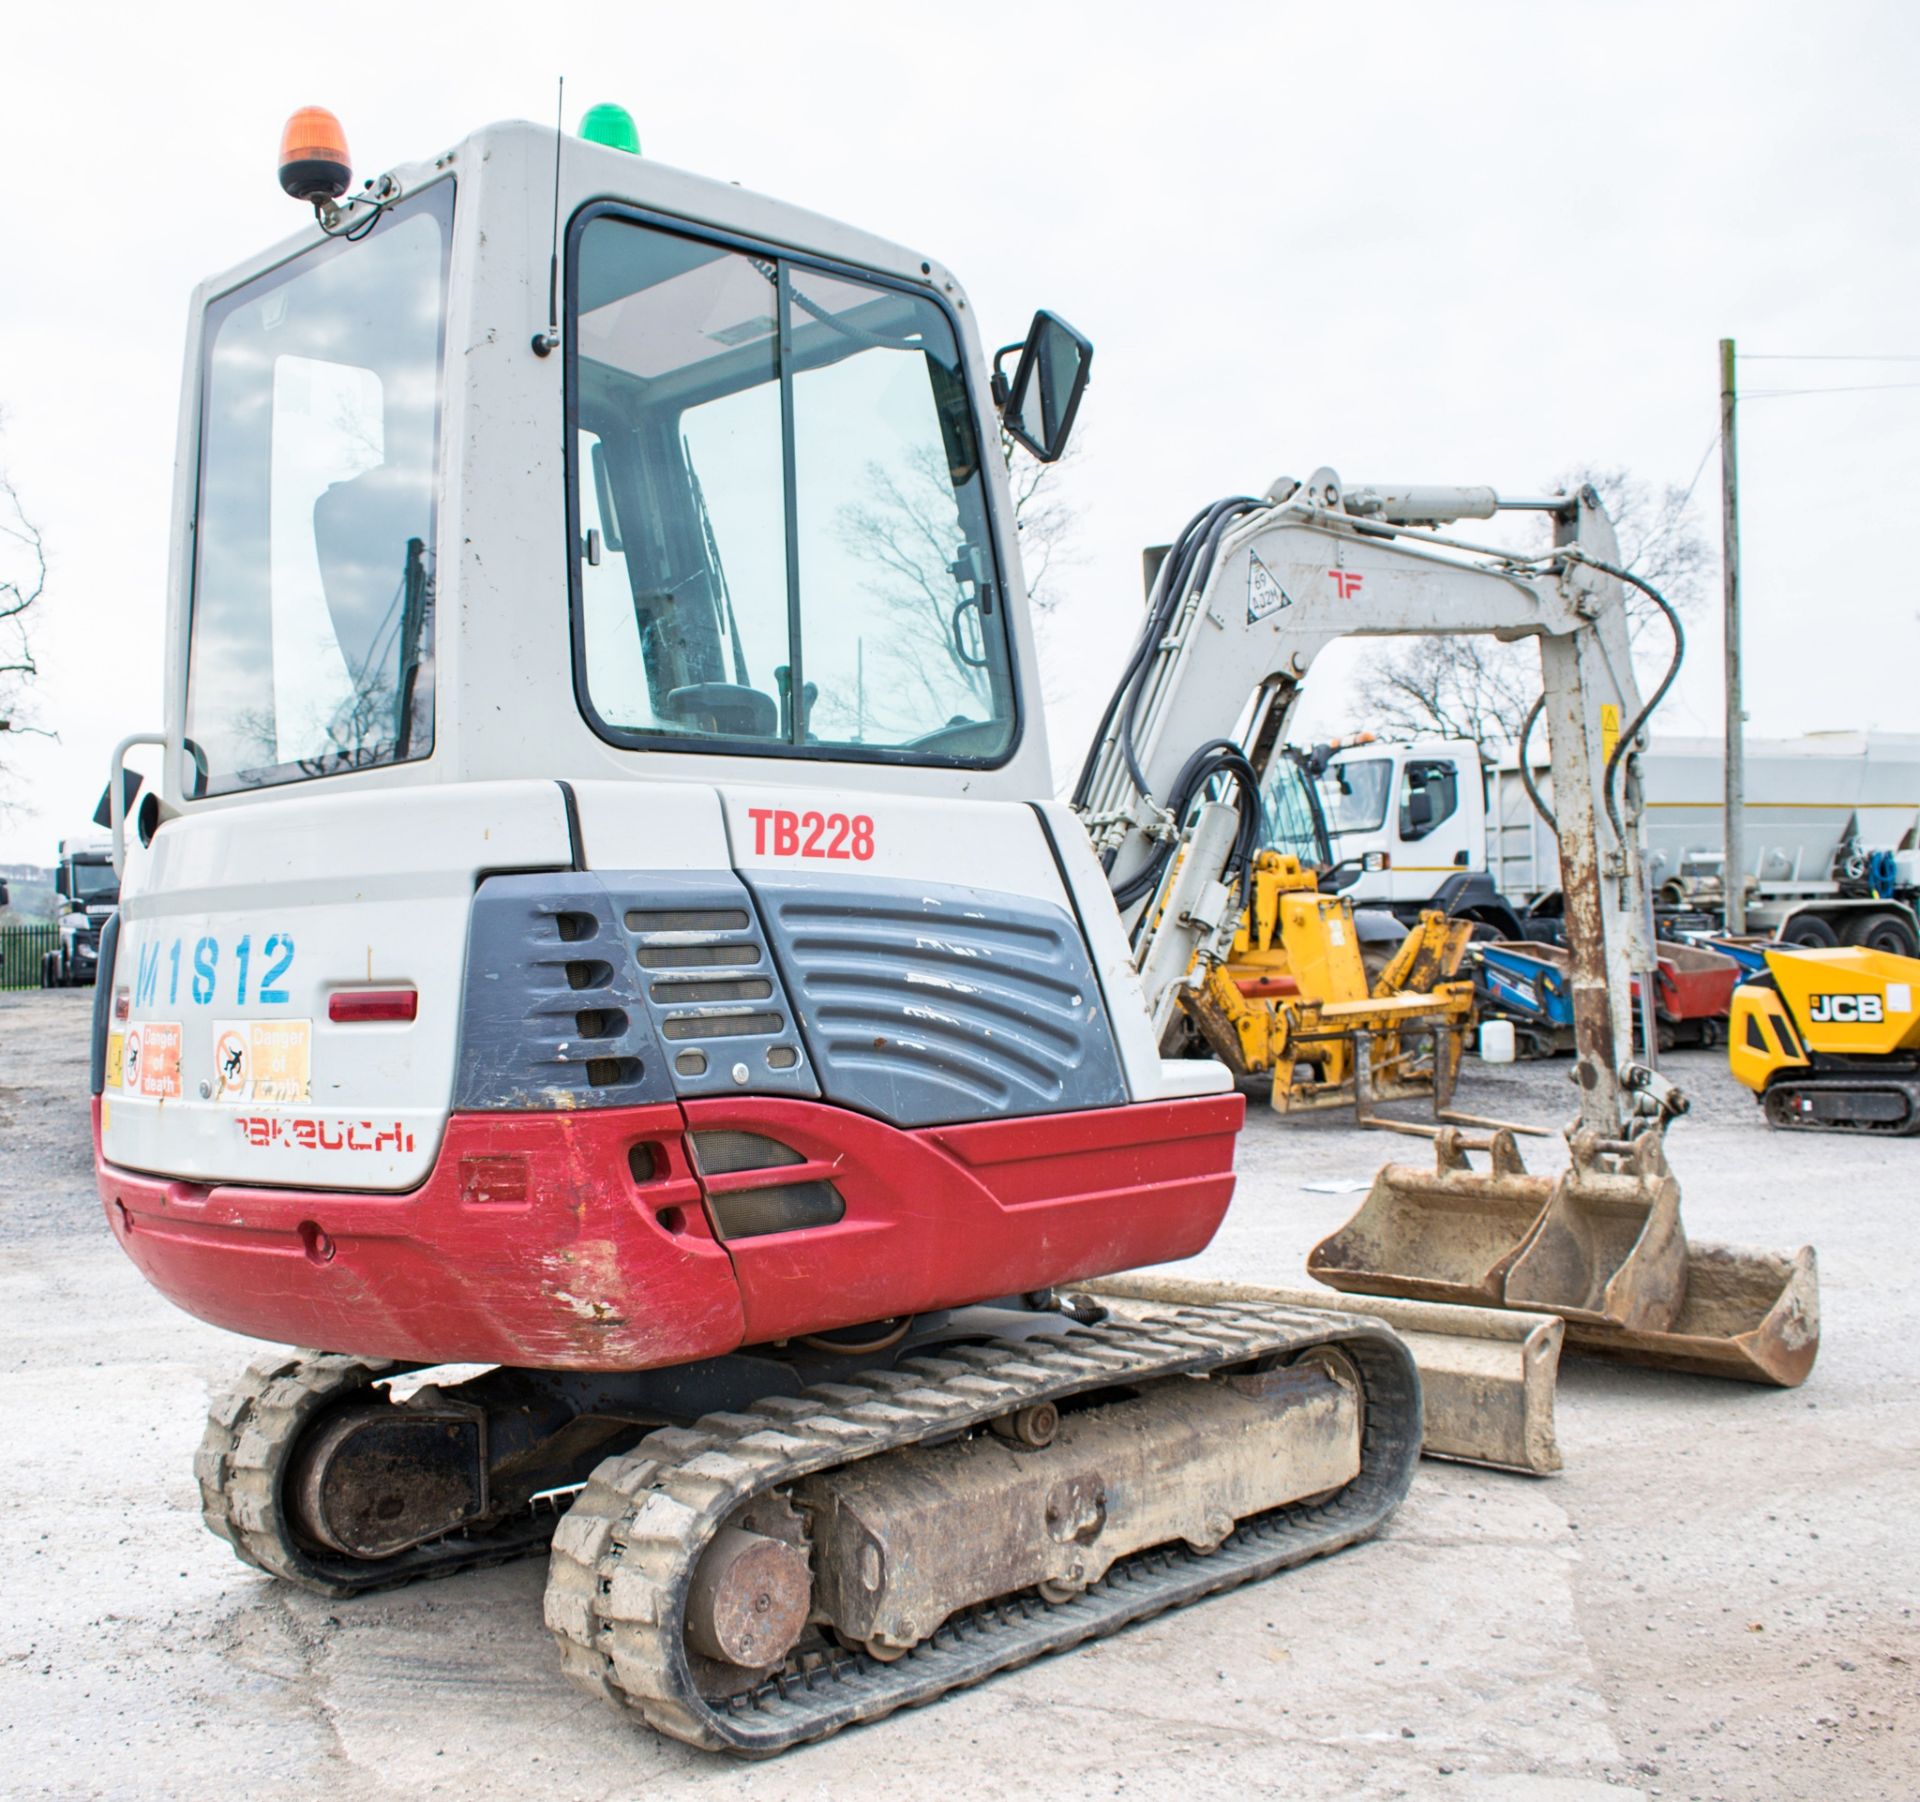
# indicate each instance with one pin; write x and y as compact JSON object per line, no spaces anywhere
{"x":1409,"y":825}
{"x":86,"y":895}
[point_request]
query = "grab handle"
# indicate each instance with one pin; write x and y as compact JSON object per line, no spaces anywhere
{"x":117,"y":793}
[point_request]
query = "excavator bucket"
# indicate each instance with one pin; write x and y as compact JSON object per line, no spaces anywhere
{"x":1447,"y":1234}
{"x":1609,"y":1250}
{"x":1486,"y":1378}
{"x":1601,"y":1246}
{"x":1750,"y":1315}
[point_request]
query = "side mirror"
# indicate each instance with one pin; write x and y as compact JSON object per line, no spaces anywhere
{"x":1038,"y":405}
{"x":1419,"y":813}
{"x":3,"y":891}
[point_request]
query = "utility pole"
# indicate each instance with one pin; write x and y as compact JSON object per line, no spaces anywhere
{"x":1733,"y":868}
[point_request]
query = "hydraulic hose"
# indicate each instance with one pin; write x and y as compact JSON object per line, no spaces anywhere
{"x":1631,"y":732}
{"x":1526,"y":771}
{"x":1189,"y":562}
{"x":1188,"y":565}
{"x":1218,"y":758}
{"x":1625,"y":741}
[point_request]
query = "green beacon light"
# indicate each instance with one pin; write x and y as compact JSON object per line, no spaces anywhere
{"x":612,"y":126}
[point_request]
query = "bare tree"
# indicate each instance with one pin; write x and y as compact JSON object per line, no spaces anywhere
{"x":1478,"y":688}
{"x":1045,"y":522}
{"x":1461,"y":686}
{"x":23,"y":585}
{"x":908,"y":530}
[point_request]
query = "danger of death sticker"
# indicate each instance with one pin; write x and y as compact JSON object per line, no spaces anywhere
{"x":150,"y":1060}
{"x":262,"y":1060}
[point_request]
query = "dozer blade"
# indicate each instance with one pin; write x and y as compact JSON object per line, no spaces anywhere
{"x":1445,"y":1234}
{"x":1486,"y":1378}
{"x":1750,"y":1315}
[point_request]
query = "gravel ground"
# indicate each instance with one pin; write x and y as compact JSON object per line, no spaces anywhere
{"x":1715,"y":1598}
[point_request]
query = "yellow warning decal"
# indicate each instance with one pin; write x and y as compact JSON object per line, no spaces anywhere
{"x":116,"y":1057}
{"x":1609,"y":729}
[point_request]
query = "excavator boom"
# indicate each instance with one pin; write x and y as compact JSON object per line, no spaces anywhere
{"x":1246,"y":600}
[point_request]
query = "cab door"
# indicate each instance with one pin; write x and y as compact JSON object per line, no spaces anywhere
{"x":1432,"y":826}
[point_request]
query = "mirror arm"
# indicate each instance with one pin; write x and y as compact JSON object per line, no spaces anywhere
{"x":1001,"y":388}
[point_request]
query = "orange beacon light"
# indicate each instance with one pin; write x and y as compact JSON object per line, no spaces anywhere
{"x":313,"y":156}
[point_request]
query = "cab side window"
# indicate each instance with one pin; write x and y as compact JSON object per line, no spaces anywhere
{"x":1429,"y":794}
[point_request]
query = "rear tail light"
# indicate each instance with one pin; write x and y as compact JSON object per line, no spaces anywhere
{"x":350,"y":1006}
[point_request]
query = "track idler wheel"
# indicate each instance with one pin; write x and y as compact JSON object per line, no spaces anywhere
{"x":374,"y":1481}
{"x":311,"y":1474}
{"x":749,"y":1601}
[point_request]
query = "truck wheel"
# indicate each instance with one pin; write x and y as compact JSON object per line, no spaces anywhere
{"x":49,"y":973}
{"x":1808,"y":929}
{"x":1883,"y":932}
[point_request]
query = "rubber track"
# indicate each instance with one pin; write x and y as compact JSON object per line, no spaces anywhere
{"x":624,"y":1555}
{"x":1778,"y":1098}
{"x":251,"y":1430}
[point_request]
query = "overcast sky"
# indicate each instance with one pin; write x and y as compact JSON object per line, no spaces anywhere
{"x":1470,"y":243}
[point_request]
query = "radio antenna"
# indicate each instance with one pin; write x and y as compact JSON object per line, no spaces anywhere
{"x":545,"y":343}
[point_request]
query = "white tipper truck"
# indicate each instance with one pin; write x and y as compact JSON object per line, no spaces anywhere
{"x":1831,"y":824}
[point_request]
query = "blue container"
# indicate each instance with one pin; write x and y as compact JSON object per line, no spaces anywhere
{"x":1526,"y":980}
{"x":1751,"y":957}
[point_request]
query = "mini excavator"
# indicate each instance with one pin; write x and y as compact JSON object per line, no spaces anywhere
{"x":600,"y":917}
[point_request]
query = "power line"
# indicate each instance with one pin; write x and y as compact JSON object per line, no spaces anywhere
{"x":1852,"y":388}
{"x":1699,"y":469}
{"x":1819,"y":356}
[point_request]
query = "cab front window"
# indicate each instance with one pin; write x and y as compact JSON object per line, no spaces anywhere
{"x":781,"y":515}
{"x":1354,"y":794}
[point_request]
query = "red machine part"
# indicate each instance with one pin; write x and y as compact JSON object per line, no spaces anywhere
{"x":581,"y":1240}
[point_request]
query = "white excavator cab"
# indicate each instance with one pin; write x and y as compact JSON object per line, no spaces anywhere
{"x":699,"y":558}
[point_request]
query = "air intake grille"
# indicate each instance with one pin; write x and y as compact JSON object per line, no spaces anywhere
{"x":711,"y":988}
{"x":553,"y":1014}
{"x":927,"y":1004}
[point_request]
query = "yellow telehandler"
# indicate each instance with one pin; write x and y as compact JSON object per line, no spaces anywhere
{"x":1295,"y":998}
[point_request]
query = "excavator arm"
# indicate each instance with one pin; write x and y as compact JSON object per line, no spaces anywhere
{"x":1252,"y":595}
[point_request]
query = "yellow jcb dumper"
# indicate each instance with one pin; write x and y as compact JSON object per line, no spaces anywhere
{"x":1830,"y":1040}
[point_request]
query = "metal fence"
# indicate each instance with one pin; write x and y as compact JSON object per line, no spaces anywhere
{"x":21,"y":949}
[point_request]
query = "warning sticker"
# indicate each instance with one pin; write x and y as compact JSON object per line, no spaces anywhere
{"x":116,"y":1057}
{"x":1609,"y":729}
{"x":262,"y":1060}
{"x":1264,"y":594}
{"x":230,"y":1063}
{"x":154,"y":1049}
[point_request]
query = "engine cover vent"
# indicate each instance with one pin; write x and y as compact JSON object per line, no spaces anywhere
{"x":712,"y":989}
{"x":928,"y":1004}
